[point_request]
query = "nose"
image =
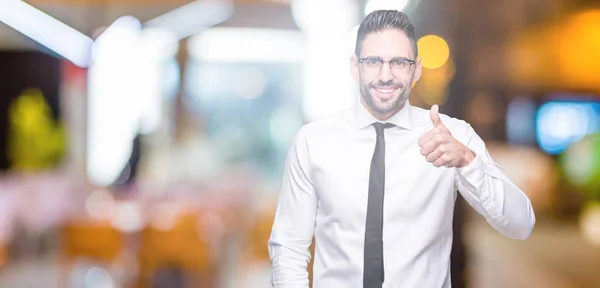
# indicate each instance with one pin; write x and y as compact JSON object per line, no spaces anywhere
{"x":385,"y":74}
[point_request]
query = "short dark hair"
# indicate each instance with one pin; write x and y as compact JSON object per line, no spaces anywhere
{"x":385,"y":19}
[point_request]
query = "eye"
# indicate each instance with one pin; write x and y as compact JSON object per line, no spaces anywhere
{"x":400,"y":63}
{"x":373,"y":62}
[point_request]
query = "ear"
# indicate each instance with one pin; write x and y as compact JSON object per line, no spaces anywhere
{"x":354,"y":67}
{"x":418,"y":70}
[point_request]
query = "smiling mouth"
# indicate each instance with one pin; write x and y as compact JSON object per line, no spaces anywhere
{"x":385,"y":93}
{"x":389,"y":90}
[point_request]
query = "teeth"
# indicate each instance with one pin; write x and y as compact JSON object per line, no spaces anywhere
{"x":386,"y":90}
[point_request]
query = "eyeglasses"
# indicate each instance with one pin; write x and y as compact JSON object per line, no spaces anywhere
{"x":399,"y":66}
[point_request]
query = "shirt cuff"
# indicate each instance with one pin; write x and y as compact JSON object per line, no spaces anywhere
{"x":473,"y":172}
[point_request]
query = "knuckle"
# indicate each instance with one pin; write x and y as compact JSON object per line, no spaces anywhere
{"x":447,"y":158}
{"x":443,"y":149}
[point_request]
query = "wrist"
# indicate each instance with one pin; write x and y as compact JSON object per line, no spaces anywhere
{"x":468,"y":157}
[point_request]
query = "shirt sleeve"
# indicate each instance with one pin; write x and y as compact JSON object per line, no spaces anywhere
{"x":492,"y":194}
{"x":294,"y":222}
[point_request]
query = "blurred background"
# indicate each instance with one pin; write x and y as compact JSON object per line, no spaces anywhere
{"x":142,"y":143}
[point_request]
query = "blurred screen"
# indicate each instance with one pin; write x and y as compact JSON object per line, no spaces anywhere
{"x":564,"y":120}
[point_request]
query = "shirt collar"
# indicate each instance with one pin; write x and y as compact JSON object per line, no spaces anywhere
{"x":363,"y":118}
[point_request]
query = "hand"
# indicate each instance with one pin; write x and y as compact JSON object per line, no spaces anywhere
{"x":440,"y":148}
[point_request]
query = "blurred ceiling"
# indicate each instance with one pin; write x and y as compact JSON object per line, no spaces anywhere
{"x":87,"y":16}
{"x":484,"y":50}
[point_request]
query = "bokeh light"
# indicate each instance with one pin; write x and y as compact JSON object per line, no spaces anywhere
{"x":581,"y":165}
{"x":433,"y":50}
{"x":579,"y":50}
{"x":560,"y":55}
{"x":561,"y":123}
{"x":432,"y":87}
{"x":589,"y":223}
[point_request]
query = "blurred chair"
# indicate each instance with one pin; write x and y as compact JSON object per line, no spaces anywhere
{"x":3,"y":256}
{"x":256,"y":250}
{"x":253,"y":263}
{"x":259,"y":236}
{"x":178,"y":248}
{"x":88,"y":240}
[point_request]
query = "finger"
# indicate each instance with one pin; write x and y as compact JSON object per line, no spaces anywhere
{"x":427,"y":137}
{"x":435,"y":132}
{"x":443,"y":160}
{"x":436,"y":137}
{"x":435,"y":116}
{"x":429,"y":147}
{"x":439,"y":151}
{"x":442,"y":128}
{"x":434,"y":155}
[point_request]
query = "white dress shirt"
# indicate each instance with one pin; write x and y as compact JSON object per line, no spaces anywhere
{"x":325,"y":193}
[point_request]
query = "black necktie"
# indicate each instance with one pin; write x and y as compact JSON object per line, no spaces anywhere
{"x":373,"y":264}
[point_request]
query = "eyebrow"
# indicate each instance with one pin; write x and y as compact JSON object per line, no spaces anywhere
{"x":394,"y":58}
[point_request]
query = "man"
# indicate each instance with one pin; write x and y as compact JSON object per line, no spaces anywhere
{"x":376,"y":184}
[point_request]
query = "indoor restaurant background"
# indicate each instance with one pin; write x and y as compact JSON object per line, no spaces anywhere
{"x":142,"y":142}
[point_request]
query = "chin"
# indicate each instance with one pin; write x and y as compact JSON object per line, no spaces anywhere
{"x":391,"y":105}
{"x":383,"y":103}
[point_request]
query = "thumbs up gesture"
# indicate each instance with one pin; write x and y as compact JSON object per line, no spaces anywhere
{"x":440,"y":148}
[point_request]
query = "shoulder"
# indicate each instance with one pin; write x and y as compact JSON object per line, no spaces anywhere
{"x":318,"y":133}
{"x":327,"y":125}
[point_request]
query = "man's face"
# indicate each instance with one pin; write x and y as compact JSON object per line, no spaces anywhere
{"x":385,"y":86}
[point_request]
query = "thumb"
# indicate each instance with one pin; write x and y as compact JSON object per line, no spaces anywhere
{"x":435,"y":116}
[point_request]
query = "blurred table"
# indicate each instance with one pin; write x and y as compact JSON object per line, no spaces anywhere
{"x":555,"y":256}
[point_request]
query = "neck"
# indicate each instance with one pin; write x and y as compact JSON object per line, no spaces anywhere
{"x":381,"y":116}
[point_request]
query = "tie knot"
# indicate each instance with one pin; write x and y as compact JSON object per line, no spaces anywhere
{"x":380,"y":126}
